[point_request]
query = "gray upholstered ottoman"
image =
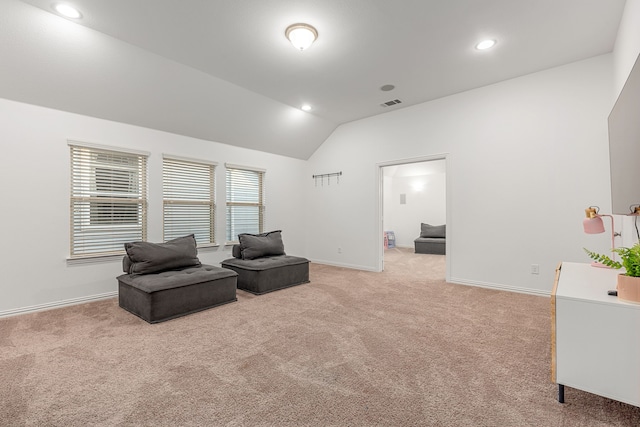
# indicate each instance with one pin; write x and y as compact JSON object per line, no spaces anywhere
{"x":269,"y":273}
{"x":430,"y":245}
{"x":162,"y":296}
{"x":263,"y":266}
{"x":167,"y":280}
{"x":432,"y":239}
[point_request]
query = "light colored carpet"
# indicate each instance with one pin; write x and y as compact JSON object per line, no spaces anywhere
{"x":351,"y":348}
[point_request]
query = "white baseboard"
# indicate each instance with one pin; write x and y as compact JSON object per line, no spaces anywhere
{"x":58,"y":304}
{"x":465,"y":282}
{"x":337,"y":264}
{"x":500,"y":287}
{"x":98,"y":297}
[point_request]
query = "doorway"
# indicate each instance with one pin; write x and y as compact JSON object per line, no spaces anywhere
{"x":411,"y":192}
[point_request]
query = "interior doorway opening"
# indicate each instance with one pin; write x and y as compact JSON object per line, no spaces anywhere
{"x":412,"y":192}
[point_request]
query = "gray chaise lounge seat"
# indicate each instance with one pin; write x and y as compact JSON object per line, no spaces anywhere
{"x":167,"y":280}
{"x":263,"y":266}
{"x":432,"y":240}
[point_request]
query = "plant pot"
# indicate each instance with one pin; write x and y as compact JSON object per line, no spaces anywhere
{"x":629,"y":288}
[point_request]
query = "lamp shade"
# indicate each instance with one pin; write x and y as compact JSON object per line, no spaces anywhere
{"x":593,"y":225}
{"x":301,"y":35}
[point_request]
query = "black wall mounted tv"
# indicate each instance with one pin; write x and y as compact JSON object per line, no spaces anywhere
{"x":624,"y":146}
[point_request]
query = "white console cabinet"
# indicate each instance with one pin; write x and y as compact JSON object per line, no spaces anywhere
{"x":595,"y":337}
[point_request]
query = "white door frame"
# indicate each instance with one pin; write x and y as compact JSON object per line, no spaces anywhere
{"x":380,"y":196}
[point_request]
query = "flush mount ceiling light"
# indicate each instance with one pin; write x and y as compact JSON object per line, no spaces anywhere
{"x":67,"y":11}
{"x":485,"y":44}
{"x":301,"y":35}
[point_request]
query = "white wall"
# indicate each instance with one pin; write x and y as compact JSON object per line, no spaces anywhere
{"x":627,"y":45}
{"x":34,"y":174}
{"x":524,"y":158}
{"x":425,"y":202}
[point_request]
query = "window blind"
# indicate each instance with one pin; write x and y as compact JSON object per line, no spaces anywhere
{"x":188,"y":193}
{"x":108,"y":200}
{"x":245,"y":202}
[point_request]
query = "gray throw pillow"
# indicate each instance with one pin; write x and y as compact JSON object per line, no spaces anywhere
{"x":254,"y":246}
{"x":433,"y":231}
{"x":236,"y":252}
{"x":147,"y":257}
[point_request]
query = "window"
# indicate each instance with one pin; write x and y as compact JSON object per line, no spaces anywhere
{"x":245,"y":201}
{"x":188,"y":188}
{"x":108,"y":199}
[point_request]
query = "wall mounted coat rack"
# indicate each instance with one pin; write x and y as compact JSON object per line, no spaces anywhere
{"x":328,"y":176}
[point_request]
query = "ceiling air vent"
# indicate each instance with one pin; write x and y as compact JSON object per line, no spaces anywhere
{"x":390,"y":103}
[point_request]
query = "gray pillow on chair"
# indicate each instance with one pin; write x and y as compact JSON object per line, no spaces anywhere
{"x":432,"y":231}
{"x":259,"y":245}
{"x":147,"y":257}
{"x":236,"y":251}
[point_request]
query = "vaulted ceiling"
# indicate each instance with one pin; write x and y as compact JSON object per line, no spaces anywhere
{"x":224,"y":71}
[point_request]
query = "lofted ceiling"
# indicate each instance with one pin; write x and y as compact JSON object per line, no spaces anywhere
{"x":231,"y":59}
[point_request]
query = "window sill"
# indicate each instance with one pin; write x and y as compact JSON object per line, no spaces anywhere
{"x":208,"y":246}
{"x":95,"y":259}
{"x":100,"y":259}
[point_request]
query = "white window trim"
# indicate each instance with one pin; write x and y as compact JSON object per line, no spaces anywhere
{"x":262,"y":192}
{"x":166,"y":156}
{"x":188,"y":159}
{"x":93,"y":259}
{"x":75,"y":143}
{"x":77,"y":259}
{"x":247,"y":168}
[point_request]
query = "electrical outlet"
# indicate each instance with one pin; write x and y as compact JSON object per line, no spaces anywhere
{"x":339,"y":250}
{"x":535,"y":269}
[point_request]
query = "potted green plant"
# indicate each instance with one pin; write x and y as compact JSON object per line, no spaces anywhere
{"x":628,"y":282}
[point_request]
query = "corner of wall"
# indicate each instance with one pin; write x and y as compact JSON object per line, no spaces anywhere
{"x":627,"y":46}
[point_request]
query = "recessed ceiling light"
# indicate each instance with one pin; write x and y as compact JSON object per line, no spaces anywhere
{"x":67,"y":11}
{"x":301,"y":35}
{"x":485,"y":44}
{"x":387,"y":88}
{"x":306,"y":107}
